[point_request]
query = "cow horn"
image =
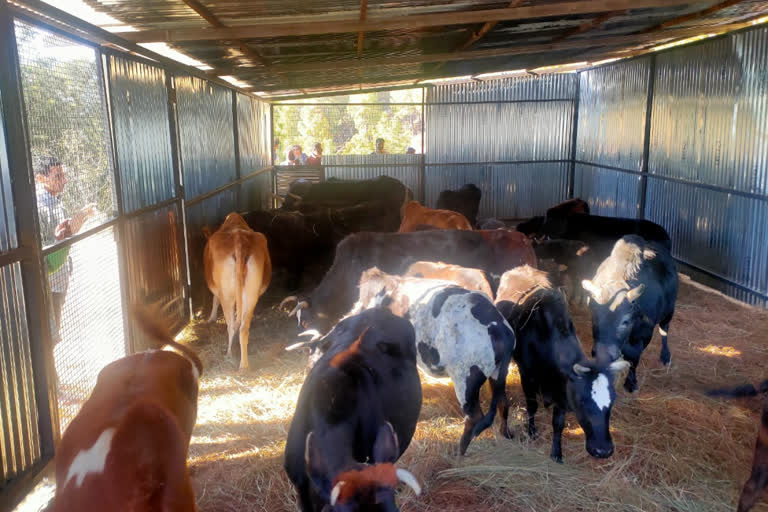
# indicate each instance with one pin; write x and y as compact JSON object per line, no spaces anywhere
{"x":297,"y":346}
{"x":635,"y":293}
{"x":618,"y":366}
{"x":335,"y":492}
{"x":593,"y":290}
{"x":311,"y":332}
{"x":299,"y":306}
{"x":408,"y":479}
{"x":286,"y":300}
{"x":294,"y":196}
{"x":581,"y":370}
{"x":279,"y":198}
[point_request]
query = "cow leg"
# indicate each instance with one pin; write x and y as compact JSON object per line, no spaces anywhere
{"x":214,"y":310}
{"x":558,"y":424}
{"x":228,"y":305}
{"x":758,"y":479}
{"x":531,"y":405}
{"x":632,"y":355}
{"x":473,"y":414}
{"x":503,"y":409}
{"x":665,"y":356}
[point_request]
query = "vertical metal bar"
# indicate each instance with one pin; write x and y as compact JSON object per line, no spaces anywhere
{"x":647,"y":139}
{"x":235,"y":133}
{"x":272,"y":156}
{"x":178,"y":181}
{"x":574,"y":138}
{"x":122,"y":245}
{"x":423,"y":194}
{"x":32,"y":265}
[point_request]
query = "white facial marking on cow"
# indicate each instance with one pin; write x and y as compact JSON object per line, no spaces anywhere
{"x":601,"y":394}
{"x":91,"y":460}
{"x":662,"y":331}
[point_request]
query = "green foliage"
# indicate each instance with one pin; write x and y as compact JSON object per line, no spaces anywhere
{"x":66,"y":115}
{"x":351,"y":124}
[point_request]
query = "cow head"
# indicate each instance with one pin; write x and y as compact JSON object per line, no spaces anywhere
{"x":591,"y":395}
{"x":306,"y":316}
{"x":351,"y":485}
{"x":614,"y":316}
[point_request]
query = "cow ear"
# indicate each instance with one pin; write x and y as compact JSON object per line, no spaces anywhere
{"x":580,"y":369}
{"x":635,"y":293}
{"x":316,"y":464}
{"x":618,"y":366}
{"x":590,"y":287}
{"x":386,"y":448}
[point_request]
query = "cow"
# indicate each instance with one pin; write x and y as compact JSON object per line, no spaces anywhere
{"x":459,"y":334}
{"x":472,"y":279}
{"x":634,"y":290}
{"x":554,"y":214}
{"x":126,"y":449}
{"x":465,"y":201}
{"x":494,"y":252}
{"x":356,"y":414}
{"x":415,"y":215}
{"x":573,"y":262}
{"x":758,"y":478}
{"x":551,"y":363}
{"x":237,"y":271}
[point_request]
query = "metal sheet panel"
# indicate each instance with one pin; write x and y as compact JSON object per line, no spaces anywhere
{"x":560,"y":86}
{"x":207,"y":213}
{"x":256,"y":193}
{"x":509,"y":190}
{"x":612,"y":108}
{"x":206,"y":133}
{"x":499,"y":132}
{"x":142,"y":134}
{"x":154,"y":258}
{"x":7,"y":221}
{"x":608,"y":192}
{"x":710,"y":113}
{"x":722,"y":233}
{"x":253,"y":128}
{"x":19,"y":439}
{"x":406,"y":168}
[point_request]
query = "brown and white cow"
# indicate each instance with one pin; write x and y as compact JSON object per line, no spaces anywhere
{"x":472,"y":279}
{"x":237,"y":270}
{"x":415,"y":215}
{"x":126,"y":449}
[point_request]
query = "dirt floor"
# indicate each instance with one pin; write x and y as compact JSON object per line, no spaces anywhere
{"x":676,"y":450}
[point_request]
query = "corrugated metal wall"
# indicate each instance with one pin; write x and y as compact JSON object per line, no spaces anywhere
{"x":7,"y":222}
{"x":207,"y":144}
{"x":505,"y":136}
{"x":253,"y":127}
{"x":610,"y":136}
{"x":406,"y":168}
{"x":142,"y":137}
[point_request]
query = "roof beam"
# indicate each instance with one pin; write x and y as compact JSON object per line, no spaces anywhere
{"x":692,"y":16}
{"x":487,"y":27}
{"x":283,"y":26}
{"x":588,"y":25}
{"x":632,"y":39}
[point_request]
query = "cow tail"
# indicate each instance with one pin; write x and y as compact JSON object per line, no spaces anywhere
{"x":499,"y":389}
{"x":240,"y":272}
{"x":149,"y":322}
{"x":740,"y":391}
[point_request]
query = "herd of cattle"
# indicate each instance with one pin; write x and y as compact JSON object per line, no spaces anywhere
{"x":403,"y":288}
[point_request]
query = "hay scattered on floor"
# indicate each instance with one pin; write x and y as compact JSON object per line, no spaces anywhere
{"x":676,"y":450}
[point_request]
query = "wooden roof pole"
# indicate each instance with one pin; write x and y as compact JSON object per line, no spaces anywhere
{"x":363,"y":13}
{"x":692,"y":16}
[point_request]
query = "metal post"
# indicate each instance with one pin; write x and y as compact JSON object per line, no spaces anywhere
{"x":32,"y":263}
{"x":238,"y":170}
{"x":272,"y":155}
{"x":178,"y":181}
{"x":647,"y":140}
{"x":423,"y":195}
{"x":574,"y":139}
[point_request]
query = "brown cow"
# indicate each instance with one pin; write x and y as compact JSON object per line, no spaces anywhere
{"x":469,"y":278}
{"x":237,"y":271}
{"x":126,"y":449}
{"x":414,"y":215}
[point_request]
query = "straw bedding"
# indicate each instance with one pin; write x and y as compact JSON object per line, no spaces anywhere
{"x":676,"y":450}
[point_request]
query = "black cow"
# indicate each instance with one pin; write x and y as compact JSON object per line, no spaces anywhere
{"x":576,"y":259}
{"x":465,"y":201}
{"x":562,"y":210}
{"x":758,"y":478}
{"x":355,"y":416}
{"x":551,"y":363}
{"x":491,"y":251}
{"x":596,"y":230}
{"x":634,"y":289}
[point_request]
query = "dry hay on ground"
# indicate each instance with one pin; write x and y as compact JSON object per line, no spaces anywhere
{"x":676,"y":450}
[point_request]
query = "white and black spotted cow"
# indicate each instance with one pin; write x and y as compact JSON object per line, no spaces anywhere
{"x":459,"y":334}
{"x":551,"y":363}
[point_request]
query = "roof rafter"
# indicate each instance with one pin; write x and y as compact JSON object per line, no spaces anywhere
{"x":283,"y":26}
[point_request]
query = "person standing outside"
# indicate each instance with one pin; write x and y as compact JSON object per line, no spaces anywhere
{"x":300,"y":156}
{"x":316,"y":157}
{"x":50,"y":180}
{"x":379,"y":147}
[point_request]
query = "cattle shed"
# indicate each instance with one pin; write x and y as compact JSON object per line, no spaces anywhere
{"x":164,"y":116}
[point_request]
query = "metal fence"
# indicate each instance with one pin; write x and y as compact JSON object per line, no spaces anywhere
{"x":110,"y":165}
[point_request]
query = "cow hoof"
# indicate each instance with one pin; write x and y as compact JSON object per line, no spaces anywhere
{"x":557,"y":458}
{"x":533,"y":435}
{"x":629,"y":386}
{"x":666,"y":358}
{"x":506,"y":433}
{"x":243,"y":369}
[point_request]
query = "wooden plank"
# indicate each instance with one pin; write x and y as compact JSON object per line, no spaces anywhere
{"x":628,"y":40}
{"x":284,"y":26}
{"x":693,"y":16}
{"x":363,"y":13}
{"x":487,"y":27}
